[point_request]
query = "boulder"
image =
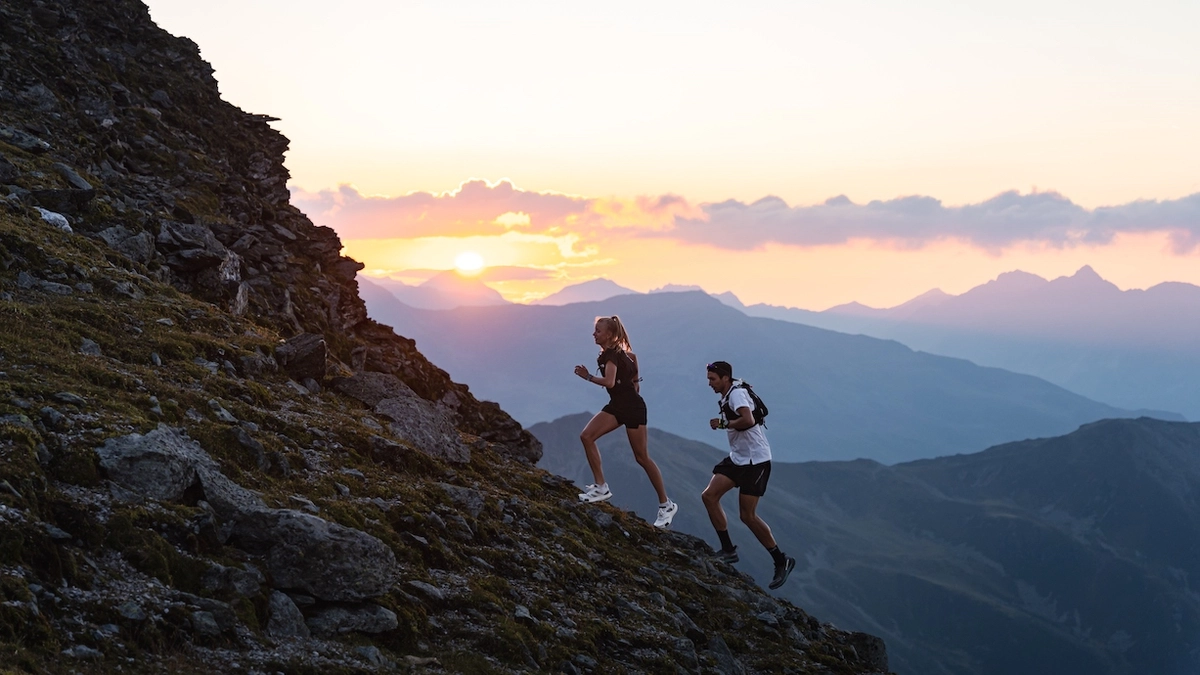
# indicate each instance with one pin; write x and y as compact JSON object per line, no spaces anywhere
{"x":323,"y":559}
{"x":23,"y":141}
{"x":467,"y":499}
{"x":160,"y":465}
{"x":138,"y":247}
{"x":285,"y":619}
{"x":164,"y":463}
{"x":303,"y":356}
{"x":70,"y":201}
{"x":330,"y":621}
{"x":189,"y":247}
{"x":427,"y":426}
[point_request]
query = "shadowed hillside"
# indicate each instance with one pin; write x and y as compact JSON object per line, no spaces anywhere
{"x":1061,"y":555}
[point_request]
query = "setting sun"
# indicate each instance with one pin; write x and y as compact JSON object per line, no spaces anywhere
{"x":469,"y":262}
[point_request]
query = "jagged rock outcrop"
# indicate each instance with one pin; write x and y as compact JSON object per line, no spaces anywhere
{"x":201,"y":179}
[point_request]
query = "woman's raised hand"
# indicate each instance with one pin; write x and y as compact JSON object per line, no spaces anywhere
{"x":581,"y":371}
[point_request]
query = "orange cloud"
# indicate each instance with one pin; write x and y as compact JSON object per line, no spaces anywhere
{"x":483,"y":209}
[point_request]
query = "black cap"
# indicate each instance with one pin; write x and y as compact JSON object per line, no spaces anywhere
{"x":721,"y":368}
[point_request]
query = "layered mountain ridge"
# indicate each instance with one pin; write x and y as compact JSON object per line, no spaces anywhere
{"x":1070,"y":554}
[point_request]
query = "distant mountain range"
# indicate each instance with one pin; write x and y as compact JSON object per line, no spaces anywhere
{"x":1135,"y":348}
{"x":832,"y":396}
{"x":446,"y":290}
{"x":588,"y":291}
{"x":1072,"y":555}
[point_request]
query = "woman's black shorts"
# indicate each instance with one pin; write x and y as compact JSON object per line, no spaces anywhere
{"x":751,"y":479}
{"x":630,"y":412}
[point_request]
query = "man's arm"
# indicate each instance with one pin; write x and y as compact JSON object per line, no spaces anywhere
{"x":744,"y":421}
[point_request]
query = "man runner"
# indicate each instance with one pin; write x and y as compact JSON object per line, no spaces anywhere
{"x":748,"y":468}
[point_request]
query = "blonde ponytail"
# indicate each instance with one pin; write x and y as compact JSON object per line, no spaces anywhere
{"x":614,"y":325}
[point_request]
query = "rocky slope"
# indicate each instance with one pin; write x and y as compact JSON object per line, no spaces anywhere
{"x":1069,"y":555}
{"x":212,"y":460}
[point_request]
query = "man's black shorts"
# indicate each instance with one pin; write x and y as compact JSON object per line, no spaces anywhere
{"x":630,"y":412}
{"x":751,"y":479}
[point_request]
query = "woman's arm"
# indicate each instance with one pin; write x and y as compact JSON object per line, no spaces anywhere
{"x":609,"y":379}
{"x":610,"y":376}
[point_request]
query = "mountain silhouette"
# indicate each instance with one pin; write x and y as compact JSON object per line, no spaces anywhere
{"x":1067,"y":555}
{"x":445,"y":290}
{"x":832,"y":396}
{"x":588,"y":291}
{"x":1134,"y":348}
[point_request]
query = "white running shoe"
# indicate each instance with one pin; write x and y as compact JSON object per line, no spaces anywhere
{"x":595,"y":493}
{"x":666,"y":514}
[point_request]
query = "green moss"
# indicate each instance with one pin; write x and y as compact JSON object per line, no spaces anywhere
{"x":77,"y":466}
{"x":151,"y":554}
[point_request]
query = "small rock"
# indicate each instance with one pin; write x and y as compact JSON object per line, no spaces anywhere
{"x":56,"y":534}
{"x":156,"y":359}
{"x":55,"y":288}
{"x":164,"y":322}
{"x":90,"y":348}
{"x":371,"y":655}
{"x":83,"y":652}
{"x":303,"y":356}
{"x":155,"y":407}
{"x":205,"y":623}
{"x":521,"y":613}
{"x":279,"y":464}
{"x":74,"y":179}
{"x":25,"y":281}
{"x":129,"y":290}
{"x":428,"y":590}
{"x":285,"y":620}
{"x":132,"y":611}
{"x":56,"y":219}
{"x":341,"y":620}
{"x":257,"y":451}
{"x":220,"y":412}
{"x":342,"y":489}
{"x":70,"y":398}
{"x":768,"y":618}
{"x":305,"y":504}
{"x":54,"y":419}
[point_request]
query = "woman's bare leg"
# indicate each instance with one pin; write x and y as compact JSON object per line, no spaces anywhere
{"x":639,"y":441}
{"x":599,"y":425}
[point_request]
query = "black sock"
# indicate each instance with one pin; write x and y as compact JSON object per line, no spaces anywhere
{"x":777,"y":555}
{"x":726,"y":544}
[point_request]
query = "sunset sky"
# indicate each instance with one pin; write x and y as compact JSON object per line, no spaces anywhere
{"x":804,"y":154}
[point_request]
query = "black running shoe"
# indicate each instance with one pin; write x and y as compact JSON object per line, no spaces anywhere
{"x":726,"y":556}
{"x":782,"y":572}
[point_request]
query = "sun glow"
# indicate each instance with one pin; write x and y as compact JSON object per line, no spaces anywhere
{"x":469,"y":263}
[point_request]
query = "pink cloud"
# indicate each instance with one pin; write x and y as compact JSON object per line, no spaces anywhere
{"x":481,"y":208}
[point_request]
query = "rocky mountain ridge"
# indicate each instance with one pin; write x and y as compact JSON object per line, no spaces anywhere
{"x":212,"y":460}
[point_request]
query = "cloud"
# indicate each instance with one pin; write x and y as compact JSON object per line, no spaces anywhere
{"x":1006,"y":219}
{"x":481,"y":208}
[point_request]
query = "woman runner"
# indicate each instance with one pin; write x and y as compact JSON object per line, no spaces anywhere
{"x":619,"y":375}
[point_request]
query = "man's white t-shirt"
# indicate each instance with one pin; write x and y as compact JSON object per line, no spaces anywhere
{"x":749,"y":446}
